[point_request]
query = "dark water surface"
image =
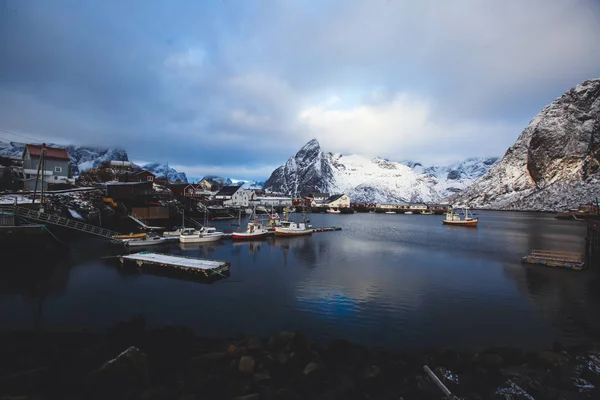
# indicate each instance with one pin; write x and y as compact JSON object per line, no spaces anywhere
{"x":396,"y":281}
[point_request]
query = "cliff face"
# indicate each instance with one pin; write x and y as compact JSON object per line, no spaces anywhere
{"x":554,"y":163}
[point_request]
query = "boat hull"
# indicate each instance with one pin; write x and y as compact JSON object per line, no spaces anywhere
{"x":472,"y":223}
{"x":292,"y":232}
{"x":144,"y":242}
{"x":131,"y":236}
{"x":247,"y":236}
{"x":200,"y":239}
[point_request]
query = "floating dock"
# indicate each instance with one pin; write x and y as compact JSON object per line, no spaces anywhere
{"x":167,"y":264}
{"x":555,"y":259}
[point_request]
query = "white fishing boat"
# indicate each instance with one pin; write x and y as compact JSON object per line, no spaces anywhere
{"x":146,"y":241}
{"x":390,"y":212}
{"x":408,"y":212}
{"x":426,"y":212}
{"x":333,"y":211}
{"x":255,"y":230}
{"x":173,"y":233}
{"x":289,"y":228}
{"x":453,"y":218}
{"x":203,"y":235}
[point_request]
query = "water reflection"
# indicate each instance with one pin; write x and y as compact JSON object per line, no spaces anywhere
{"x":394,"y":281}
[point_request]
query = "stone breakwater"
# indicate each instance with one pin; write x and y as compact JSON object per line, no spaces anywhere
{"x":132,"y":362}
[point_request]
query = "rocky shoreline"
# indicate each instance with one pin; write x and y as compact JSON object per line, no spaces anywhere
{"x":132,"y":362}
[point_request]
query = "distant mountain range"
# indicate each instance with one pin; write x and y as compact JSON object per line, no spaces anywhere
{"x":85,"y":158}
{"x":555,"y":162}
{"x":375,"y":180}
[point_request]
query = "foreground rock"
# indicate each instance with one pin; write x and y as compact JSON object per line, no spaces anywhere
{"x":131,"y":362}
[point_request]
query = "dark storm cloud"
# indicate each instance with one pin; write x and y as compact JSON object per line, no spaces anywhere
{"x":238,"y":86}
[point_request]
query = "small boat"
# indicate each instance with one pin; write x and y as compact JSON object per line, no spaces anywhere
{"x":130,"y":236}
{"x":289,"y":228}
{"x":202,"y":235}
{"x":333,"y":211}
{"x":147,"y":241}
{"x":453,"y":218}
{"x":255,"y":230}
{"x":390,"y":212}
{"x":174,"y":233}
{"x":426,"y":212}
{"x":408,"y":212}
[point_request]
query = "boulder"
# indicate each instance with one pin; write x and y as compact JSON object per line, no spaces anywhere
{"x":552,"y":359}
{"x":281,"y":341}
{"x":120,"y":377}
{"x":247,"y":365}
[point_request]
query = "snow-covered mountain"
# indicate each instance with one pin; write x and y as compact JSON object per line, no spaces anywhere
{"x":254,"y":185}
{"x":372,"y":180}
{"x":160,"y":171}
{"x":82,"y":158}
{"x":555,"y":162}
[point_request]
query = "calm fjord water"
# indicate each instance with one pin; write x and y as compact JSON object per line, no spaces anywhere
{"x":396,"y":281}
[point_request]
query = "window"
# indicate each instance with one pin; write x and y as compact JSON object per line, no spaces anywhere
{"x":149,"y":178}
{"x":57,"y":169}
{"x":27,"y":176}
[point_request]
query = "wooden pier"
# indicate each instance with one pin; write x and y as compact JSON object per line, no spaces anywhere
{"x":187,"y":267}
{"x":555,"y":259}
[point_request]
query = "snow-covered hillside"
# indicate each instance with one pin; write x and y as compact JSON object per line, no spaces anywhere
{"x":82,"y":158}
{"x":372,"y":180}
{"x":555,"y":162}
{"x":254,"y":185}
{"x":160,"y":171}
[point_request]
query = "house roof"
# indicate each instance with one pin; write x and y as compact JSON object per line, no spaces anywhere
{"x":333,"y":198}
{"x":51,"y":152}
{"x":228,"y":190}
{"x":144,"y":171}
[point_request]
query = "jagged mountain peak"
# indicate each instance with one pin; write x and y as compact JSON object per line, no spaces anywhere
{"x":160,"y":170}
{"x":364,"y":180}
{"x":311,"y":144}
{"x":558,"y":149}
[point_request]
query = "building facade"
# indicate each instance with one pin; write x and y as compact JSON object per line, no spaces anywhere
{"x":233,"y":196}
{"x":56,"y":166}
{"x":271,"y":201}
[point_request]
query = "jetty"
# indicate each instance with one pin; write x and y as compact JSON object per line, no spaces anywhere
{"x":555,"y":259}
{"x":178,"y":265}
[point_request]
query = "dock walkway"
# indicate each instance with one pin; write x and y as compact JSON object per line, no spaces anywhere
{"x":555,"y":259}
{"x":192,"y":266}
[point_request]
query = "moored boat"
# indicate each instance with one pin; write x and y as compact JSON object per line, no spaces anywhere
{"x":390,"y":212}
{"x":130,"y":236}
{"x":289,"y":228}
{"x":408,"y":212}
{"x":453,"y":218}
{"x":255,"y":230}
{"x":203,"y":235}
{"x":333,"y":211}
{"x":146,"y":241}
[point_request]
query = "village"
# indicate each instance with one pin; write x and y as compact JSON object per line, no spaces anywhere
{"x":126,"y":187}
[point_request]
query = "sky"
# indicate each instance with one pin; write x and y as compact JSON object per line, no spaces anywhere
{"x":234,"y":88}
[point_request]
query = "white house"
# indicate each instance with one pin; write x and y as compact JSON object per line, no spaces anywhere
{"x":337,"y":201}
{"x":234,"y":196}
{"x":272,"y":201}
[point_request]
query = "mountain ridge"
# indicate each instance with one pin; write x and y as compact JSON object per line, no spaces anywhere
{"x":370,"y":180}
